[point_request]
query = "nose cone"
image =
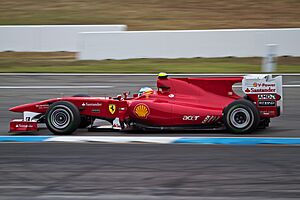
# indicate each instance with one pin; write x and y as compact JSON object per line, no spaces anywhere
{"x":38,"y":107}
{"x":25,"y":107}
{"x":20,"y":108}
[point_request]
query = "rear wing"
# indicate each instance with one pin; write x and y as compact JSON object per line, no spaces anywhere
{"x":264,"y":90}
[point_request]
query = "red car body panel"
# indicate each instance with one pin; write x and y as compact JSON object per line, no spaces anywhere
{"x":177,"y":102}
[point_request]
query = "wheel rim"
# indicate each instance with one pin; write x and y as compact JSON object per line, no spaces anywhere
{"x":240,"y":118}
{"x":60,"y":118}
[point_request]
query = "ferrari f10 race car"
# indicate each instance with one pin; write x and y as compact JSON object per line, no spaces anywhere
{"x":178,"y":103}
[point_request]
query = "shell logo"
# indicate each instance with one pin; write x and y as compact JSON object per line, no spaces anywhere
{"x":141,"y":110}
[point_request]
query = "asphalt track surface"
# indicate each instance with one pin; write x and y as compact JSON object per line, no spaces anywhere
{"x":148,"y":171}
{"x":16,"y":90}
{"x":143,"y":171}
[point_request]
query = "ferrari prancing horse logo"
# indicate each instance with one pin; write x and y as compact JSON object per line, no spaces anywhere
{"x":112,"y":108}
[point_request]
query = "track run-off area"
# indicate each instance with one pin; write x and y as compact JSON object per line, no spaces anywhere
{"x":74,"y":167}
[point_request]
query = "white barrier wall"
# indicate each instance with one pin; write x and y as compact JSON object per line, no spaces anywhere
{"x":45,"y":38}
{"x":187,"y":44}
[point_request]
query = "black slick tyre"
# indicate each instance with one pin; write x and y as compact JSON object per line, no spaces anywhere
{"x":241,"y":116}
{"x":62,"y":118}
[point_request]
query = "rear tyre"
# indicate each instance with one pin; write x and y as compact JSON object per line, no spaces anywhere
{"x":62,"y":118}
{"x":241,"y":116}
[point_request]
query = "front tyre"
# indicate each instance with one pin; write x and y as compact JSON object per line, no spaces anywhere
{"x":62,"y":118}
{"x":85,"y":121}
{"x":241,"y":116}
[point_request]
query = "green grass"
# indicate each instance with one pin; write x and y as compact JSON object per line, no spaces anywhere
{"x":147,"y":15}
{"x":155,"y":14}
{"x":58,"y":62}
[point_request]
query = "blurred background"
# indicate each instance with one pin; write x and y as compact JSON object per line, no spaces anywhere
{"x":154,"y":14}
{"x":149,"y":15}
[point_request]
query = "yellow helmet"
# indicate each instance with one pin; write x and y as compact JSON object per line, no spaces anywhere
{"x":162,"y":75}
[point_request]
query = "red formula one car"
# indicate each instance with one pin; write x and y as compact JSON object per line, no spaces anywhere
{"x":178,"y":103}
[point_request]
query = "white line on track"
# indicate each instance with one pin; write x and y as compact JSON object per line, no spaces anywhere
{"x":57,"y":87}
{"x":132,"y":74}
{"x":20,"y":186}
{"x":291,"y":86}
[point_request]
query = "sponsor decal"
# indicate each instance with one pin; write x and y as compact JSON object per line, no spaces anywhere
{"x":24,"y":126}
{"x":141,"y":110}
{"x":91,"y":104}
{"x":261,"y":88}
{"x":210,"y":119}
{"x":267,"y":96}
{"x":190,"y":118}
{"x":266,"y":103}
{"x":205,"y":119}
{"x":42,"y":106}
{"x":112,"y":108}
{"x":96,"y":110}
{"x":247,"y":90}
{"x":269,"y":112}
{"x":264,"y":85}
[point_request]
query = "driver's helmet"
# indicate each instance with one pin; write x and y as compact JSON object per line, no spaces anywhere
{"x":145,"y":90}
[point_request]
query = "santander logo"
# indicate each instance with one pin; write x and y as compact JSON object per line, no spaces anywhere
{"x":24,"y":126}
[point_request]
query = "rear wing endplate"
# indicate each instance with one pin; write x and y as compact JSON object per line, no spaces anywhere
{"x":263,"y":84}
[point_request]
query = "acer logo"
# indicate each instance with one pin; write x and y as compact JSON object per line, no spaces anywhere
{"x":190,"y":117}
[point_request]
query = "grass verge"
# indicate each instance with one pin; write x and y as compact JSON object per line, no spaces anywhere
{"x":65,"y":62}
{"x":155,"y":14}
